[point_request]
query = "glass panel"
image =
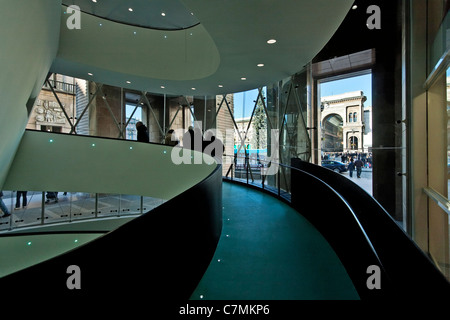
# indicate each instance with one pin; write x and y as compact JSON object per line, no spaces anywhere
{"x":70,"y":206}
{"x":108,"y":205}
{"x":130,"y":204}
{"x":82,"y":205}
{"x":441,"y":42}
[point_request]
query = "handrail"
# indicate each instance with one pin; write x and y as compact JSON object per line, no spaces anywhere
{"x":395,"y":248}
{"x":442,"y":201}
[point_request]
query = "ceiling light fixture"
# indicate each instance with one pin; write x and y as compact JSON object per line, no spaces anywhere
{"x":163,"y":14}
{"x":271,"y":41}
{"x":95,"y":1}
{"x":243,"y":78}
{"x":193,"y":88}
{"x":130,"y":9}
{"x":220,"y":86}
{"x":91,"y":74}
{"x":260,"y":65}
{"x":128,"y":81}
{"x":354,"y":7}
{"x":162,"y":87}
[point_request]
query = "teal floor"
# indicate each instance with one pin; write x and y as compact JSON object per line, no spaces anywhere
{"x":269,"y":251}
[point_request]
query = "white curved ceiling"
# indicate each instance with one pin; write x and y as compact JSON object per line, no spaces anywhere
{"x":209,"y":58}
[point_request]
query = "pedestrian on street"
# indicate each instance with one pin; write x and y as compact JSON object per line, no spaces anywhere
{"x":358,"y":164}
{"x":351,"y":167}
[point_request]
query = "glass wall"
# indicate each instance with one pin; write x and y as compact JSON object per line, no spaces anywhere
{"x":429,"y":123}
{"x":35,"y":208}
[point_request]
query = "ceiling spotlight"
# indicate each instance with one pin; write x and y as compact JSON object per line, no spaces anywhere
{"x":354,"y":7}
{"x":130,"y":9}
{"x":271,"y":41}
{"x":162,"y":87}
{"x":243,"y":78}
{"x":220,"y":86}
{"x":260,"y":65}
{"x":128,"y":82}
{"x":193,"y":88}
{"x":91,"y":74}
{"x":163,"y":14}
{"x":95,"y":1}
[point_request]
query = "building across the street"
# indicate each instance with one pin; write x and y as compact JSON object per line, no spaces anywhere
{"x":345,"y":123}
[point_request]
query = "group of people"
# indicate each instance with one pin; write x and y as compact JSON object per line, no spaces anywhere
{"x":355,"y":165}
{"x":192,"y":139}
{"x":345,"y":157}
{"x":21,"y":196}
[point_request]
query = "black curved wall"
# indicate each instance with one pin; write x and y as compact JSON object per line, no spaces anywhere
{"x":159,"y":256}
{"x":407,"y":271}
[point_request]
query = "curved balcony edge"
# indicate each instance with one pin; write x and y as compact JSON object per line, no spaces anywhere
{"x":158,"y":256}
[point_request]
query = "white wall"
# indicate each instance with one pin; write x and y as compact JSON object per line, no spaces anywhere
{"x":29,"y":36}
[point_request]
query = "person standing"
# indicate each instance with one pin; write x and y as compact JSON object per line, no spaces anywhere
{"x":351,"y":167}
{"x":142,"y":132}
{"x":22,"y":194}
{"x":358,"y":164}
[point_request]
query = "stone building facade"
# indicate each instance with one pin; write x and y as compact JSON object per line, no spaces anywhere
{"x":343,"y":125}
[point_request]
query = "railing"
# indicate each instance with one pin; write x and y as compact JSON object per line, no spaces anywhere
{"x":356,"y":225}
{"x":41,"y":209}
{"x":60,"y":86}
{"x":253,"y":172}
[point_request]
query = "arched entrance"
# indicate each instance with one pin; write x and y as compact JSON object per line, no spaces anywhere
{"x":332,"y":133}
{"x":353,"y":143}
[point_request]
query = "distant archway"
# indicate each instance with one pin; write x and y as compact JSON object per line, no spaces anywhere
{"x":332,"y":133}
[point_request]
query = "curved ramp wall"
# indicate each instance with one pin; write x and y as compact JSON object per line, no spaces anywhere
{"x":61,"y":162}
{"x":158,"y":256}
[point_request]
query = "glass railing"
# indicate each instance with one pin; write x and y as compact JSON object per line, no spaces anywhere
{"x":44,"y":208}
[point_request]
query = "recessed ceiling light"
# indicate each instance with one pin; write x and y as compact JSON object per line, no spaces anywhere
{"x":271,"y":41}
{"x":91,"y":74}
{"x":260,"y":65}
{"x":130,"y":9}
{"x":354,"y":7}
{"x":163,"y":14}
{"x":220,"y":86}
{"x":162,"y":87}
{"x":134,"y":32}
{"x":94,"y":1}
{"x":128,"y":81}
{"x":193,"y":88}
{"x":243,"y":78}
